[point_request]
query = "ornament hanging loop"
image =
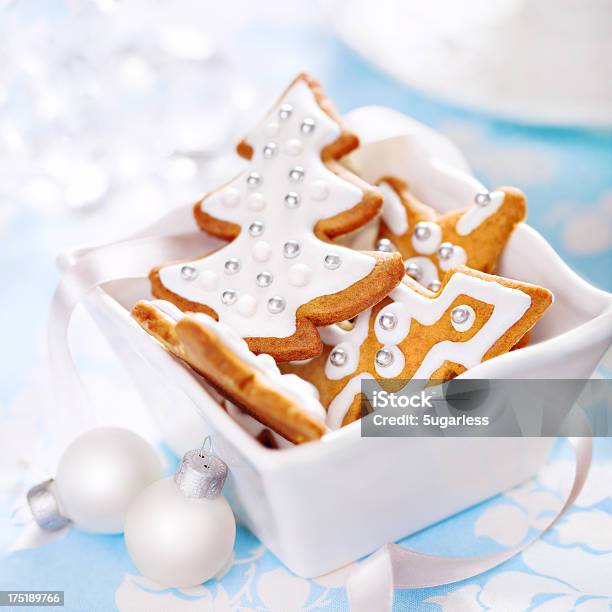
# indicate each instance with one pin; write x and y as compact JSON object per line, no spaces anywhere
{"x":206,"y":449}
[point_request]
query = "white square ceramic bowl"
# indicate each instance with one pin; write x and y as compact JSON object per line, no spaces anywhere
{"x":324,"y":504}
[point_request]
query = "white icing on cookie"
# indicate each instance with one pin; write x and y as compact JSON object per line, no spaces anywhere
{"x":457,"y":258}
{"x":431,"y":240}
{"x":268,"y":179}
{"x":477,"y":213}
{"x":347,"y":343}
{"x":393,"y":211}
{"x":509,"y":305}
{"x":339,"y":406}
{"x":429,"y":272}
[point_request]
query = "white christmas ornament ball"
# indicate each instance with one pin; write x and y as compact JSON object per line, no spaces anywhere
{"x":179,"y":541}
{"x":100,"y":474}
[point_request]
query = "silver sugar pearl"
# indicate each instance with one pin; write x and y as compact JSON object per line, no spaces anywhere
{"x":292,"y":199}
{"x":422,"y":231}
{"x":307,"y":126}
{"x":338,"y":357}
{"x":460,"y":314}
{"x":232,"y":265}
{"x":276,"y":304}
{"x":434,"y":285}
{"x":264,"y":279}
{"x":296,"y":174}
{"x":445,"y":250}
{"x":387,"y":321}
{"x":253,"y":179}
{"x":384,"y":357}
{"x":229,"y":296}
{"x":256,"y":228}
{"x":285,"y":110}
{"x":270,"y":150}
{"x":385,"y":245}
{"x":482,"y":199}
{"x":414,"y":270}
{"x":332,"y":261}
{"x":291,"y":249}
{"x":189,"y":273}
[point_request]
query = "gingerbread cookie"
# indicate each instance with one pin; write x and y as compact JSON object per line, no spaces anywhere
{"x":278,"y":278}
{"x":418,"y":334}
{"x":285,"y":403}
{"x":433,"y":243}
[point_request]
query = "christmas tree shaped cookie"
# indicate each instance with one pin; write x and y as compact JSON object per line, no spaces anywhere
{"x":280,"y":277}
{"x":433,"y":243}
{"x":416,"y":334}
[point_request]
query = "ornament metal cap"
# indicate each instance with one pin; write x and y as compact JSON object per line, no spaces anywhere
{"x":201,"y":474}
{"x":45,"y":508}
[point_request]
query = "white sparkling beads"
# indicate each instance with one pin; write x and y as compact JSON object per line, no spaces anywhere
{"x":319,"y":190}
{"x":434,"y":285}
{"x":445,"y":251}
{"x":230,"y":197}
{"x":422,"y":231}
{"x":253,"y":180}
{"x":292,"y":199}
{"x":256,"y":228}
{"x":385,"y":245}
{"x":276,"y":304}
{"x":384,"y":358}
{"x":285,"y":110}
{"x":262,"y":251}
{"x":332,"y":261}
{"x":209,"y":280}
{"x":291,"y":249}
{"x":270,"y":150}
{"x":189,"y":273}
{"x":247,"y":306}
{"x":338,"y":357}
{"x":387,"y":321}
{"x":229,"y":297}
{"x":256,"y":202}
{"x":294,"y":147}
{"x":414,"y":270}
{"x":264,"y":279}
{"x":296,"y":174}
{"x":299,"y":275}
{"x":307,"y":126}
{"x":482,"y":199}
{"x":232,"y":266}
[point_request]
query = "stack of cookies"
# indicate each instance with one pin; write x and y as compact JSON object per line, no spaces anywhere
{"x":286,"y":323}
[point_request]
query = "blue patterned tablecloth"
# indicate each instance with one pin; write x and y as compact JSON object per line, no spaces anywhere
{"x":567,"y":176}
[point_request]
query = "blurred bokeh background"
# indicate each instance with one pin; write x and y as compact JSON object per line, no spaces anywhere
{"x":113,"y":112}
